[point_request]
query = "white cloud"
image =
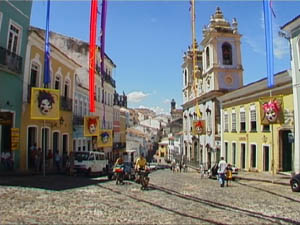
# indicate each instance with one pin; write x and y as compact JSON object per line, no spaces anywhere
{"x":281,"y":47}
{"x":254,"y":45}
{"x":167,"y":101}
{"x":156,"y":109}
{"x":136,"y":96}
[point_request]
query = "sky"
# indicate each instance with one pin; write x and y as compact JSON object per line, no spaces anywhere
{"x":147,"y":39}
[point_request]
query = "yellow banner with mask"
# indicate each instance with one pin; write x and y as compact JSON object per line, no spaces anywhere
{"x":44,"y":104}
{"x":271,"y":110}
{"x":91,"y":126}
{"x":105,"y":138}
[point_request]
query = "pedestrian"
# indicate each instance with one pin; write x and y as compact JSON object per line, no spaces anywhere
{"x":37,"y":159}
{"x":49,"y":158}
{"x":180,"y":166}
{"x":70,"y":164}
{"x":32,"y":152}
{"x":57,"y":161}
{"x":228,"y":174}
{"x":222,"y":171}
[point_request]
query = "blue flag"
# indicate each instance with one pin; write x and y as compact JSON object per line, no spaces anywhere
{"x":47,"y":49}
{"x":269,"y":42}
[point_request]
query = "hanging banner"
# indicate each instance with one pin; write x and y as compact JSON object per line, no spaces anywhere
{"x":105,"y":138}
{"x":44,"y":104}
{"x":271,"y":110}
{"x":91,"y":125}
{"x":198,"y":127}
{"x":15,"y":138}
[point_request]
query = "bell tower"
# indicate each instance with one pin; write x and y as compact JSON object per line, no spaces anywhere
{"x":222,"y":64}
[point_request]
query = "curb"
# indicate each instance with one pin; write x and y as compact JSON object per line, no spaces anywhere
{"x":262,"y":180}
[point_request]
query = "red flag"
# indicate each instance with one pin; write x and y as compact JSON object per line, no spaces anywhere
{"x":92,"y":57}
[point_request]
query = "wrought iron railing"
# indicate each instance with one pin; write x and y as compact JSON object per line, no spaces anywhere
{"x":66,"y":103}
{"x":10,"y":60}
{"x":78,"y":120}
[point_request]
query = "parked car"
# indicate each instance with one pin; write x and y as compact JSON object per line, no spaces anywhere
{"x":295,"y":183}
{"x":152,"y":166}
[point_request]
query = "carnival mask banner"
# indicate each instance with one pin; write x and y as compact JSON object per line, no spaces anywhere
{"x":271,"y":110}
{"x":91,"y":125}
{"x":105,"y":138}
{"x":44,"y":104}
{"x":199,"y":127}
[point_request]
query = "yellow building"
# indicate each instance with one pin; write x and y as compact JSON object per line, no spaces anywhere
{"x":246,"y":142}
{"x":162,"y":152}
{"x":57,"y":133}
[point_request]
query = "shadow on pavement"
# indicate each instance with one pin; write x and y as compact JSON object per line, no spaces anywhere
{"x":51,"y":182}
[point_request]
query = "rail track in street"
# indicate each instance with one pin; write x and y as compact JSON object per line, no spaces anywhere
{"x":205,"y":204}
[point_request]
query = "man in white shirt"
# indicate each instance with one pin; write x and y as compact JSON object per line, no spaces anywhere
{"x":222,"y":171}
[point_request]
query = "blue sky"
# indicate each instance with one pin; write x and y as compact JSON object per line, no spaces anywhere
{"x":147,"y":39}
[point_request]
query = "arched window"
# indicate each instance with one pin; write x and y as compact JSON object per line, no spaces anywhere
{"x":227,"y":53}
{"x":207,"y":58}
{"x":57,"y":82}
{"x":67,"y":88}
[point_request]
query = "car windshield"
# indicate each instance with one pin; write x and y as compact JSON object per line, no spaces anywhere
{"x":80,"y":156}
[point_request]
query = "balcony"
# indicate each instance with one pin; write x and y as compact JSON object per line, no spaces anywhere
{"x":65,"y":103}
{"x":10,"y":60}
{"x":78,"y":120}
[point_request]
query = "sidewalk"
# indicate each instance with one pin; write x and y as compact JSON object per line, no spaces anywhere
{"x":279,"y":178}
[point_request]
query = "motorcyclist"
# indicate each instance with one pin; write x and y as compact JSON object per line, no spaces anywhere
{"x":140,"y":163}
{"x":119,"y":164}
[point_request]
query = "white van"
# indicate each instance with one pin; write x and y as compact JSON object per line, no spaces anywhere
{"x":91,"y":162}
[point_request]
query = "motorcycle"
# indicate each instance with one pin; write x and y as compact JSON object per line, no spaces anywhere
{"x":143,"y":178}
{"x":119,"y":174}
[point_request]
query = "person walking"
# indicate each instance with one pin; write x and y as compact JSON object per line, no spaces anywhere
{"x":222,"y":171}
{"x":228,"y":174}
{"x":57,"y":161}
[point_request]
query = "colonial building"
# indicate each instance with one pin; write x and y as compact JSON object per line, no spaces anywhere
{"x":293,"y":30}
{"x":54,"y":135}
{"x":219,"y":71}
{"x":104,"y":85}
{"x":14,"y":24}
{"x":247,"y":143}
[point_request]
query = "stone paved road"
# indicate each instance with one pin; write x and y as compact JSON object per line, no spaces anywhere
{"x":173,"y":198}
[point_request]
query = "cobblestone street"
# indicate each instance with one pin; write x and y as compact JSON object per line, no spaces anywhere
{"x":172,"y":198}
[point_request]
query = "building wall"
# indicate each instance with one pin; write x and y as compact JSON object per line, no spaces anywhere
{"x":17,"y":13}
{"x":64,"y":127}
{"x":259,"y":138}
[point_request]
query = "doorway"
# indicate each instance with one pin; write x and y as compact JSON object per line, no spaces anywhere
{"x":65,"y":149}
{"x":266,"y":152}
{"x":286,"y":150}
{"x":243,"y":156}
{"x":55,"y":144}
{"x":31,"y":140}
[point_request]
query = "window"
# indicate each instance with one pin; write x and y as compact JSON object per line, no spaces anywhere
{"x":253,"y":156}
{"x":79,"y":145}
{"x":57,"y":82}
{"x":34,"y":75}
{"x":234,"y":153}
{"x":253,"y":120}
{"x":226,"y":122}
{"x":83,"y":145}
{"x":80,"y":108}
{"x":207,"y":58}
{"x":99,"y":94}
{"x":67,"y":88}
{"x":243,"y":121}
{"x":102,"y":95}
{"x":185,"y":77}
{"x":266,"y":128}
{"x":227,"y":53}
{"x":233,"y":122}
{"x":226,"y":151}
{"x":1,"y":15}
{"x":75,"y":107}
{"x":14,"y":38}
{"x":85,"y":109}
